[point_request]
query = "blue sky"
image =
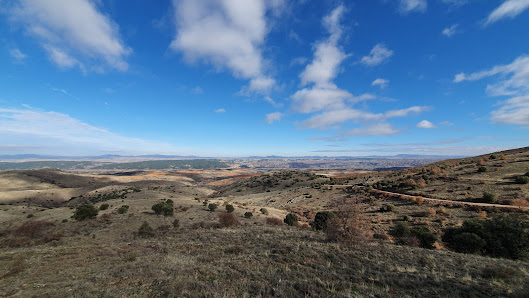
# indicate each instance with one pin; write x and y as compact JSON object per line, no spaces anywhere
{"x":257,"y":77}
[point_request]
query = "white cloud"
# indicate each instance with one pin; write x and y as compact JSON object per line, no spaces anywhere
{"x":318,"y":98}
{"x":197,"y":90}
{"x":272,"y":102}
{"x":17,"y":54}
{"x":273,"y":117}
{"x":514,"y":82}
{"x":74,"y":33}
{"x":220,"y":111}
{"x":450,"y":30}
{"x":425,"y":124}
{"x":381,"y":129}
{"x":379,"y":54}
{"x":327,"y":119}
{"x":229,"y":34}
{"x":513,"y":111}
{"x":508,"y":9}
{"x":382,"y":83}
{"x":407,"y":6}
{"x":56,"y":133}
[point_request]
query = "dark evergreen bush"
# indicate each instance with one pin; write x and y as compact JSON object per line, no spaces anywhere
{"x":85,"y":211}
{"x":290,"y":219}
{"x":320,"y":220}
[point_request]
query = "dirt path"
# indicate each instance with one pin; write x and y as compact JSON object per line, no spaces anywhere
{"x":436,"y":201}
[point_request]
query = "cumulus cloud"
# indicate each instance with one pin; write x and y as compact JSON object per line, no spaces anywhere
{"x":55,"y":133}
{"x":220,"y":111}
{"x":229,"y":34}
{"x":74,"y":33}
{"x":450,"y":30}
{"x":273,"y":117}
{"x":382,"y":83}
{"x":425,"y":124}
{"x":381,"y":129}
{"x":514,"y":82}
{"x":407,"y":6}
{"x":508,"y":9}
{"x":378,"y":55}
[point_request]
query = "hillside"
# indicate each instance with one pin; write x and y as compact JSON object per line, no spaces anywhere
{"x":210,"y":252}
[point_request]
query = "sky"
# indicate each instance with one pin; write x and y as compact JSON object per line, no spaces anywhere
{"x":229,"y":78}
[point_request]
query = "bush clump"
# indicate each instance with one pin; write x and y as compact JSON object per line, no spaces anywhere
{"x":489,"y":197}
{"x":521,"y":180}
{"x":248,"y":214}
{"x":482,"y":169}
{"x":425,"y":236}
{"x":400,"y":229}
{"x":227,"y":220}
{"x":85,"y":211}
{"x":145,"y":230}
{"x":123,"y":209}
{"x":387,"y":208}
{"x":103,"y":207}
{"x":503,"y":237}
{"x":212,"y":207}
{"x":321,"y":219}
{"x":264,"y":211}
{"x":230,"y":208}
{"x":164,"y":208}
{"x":291,"y":219}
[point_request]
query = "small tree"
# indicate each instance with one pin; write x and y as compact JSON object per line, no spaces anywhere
{"x":230,"y":208}
{"x":212,"y":207}
{"x":123,"y":209}
{"x":290,"y":219}
{"x":264,"y":211}
{"x":176,"y":224}
{"x":248,"y":214}
{"x":85,"y":211}
{"x":400,"y":229}
{"x":424,"y":235}
{"x":482,"y":169}
{"x":321,"y":219}
{"x":103,"y":207}
{"x":521,"y":180}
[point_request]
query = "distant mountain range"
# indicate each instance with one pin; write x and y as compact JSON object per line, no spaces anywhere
{"x":158,"y":156}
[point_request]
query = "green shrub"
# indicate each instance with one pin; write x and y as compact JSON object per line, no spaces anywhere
{"x":400,"y":229}
{"x":264,"y":211}
{"x":290,"y":219}
{"x":212,"y":207}
{"x":248,"y":214}
{"x":321,"y":219}
{"x":163,"y":208}
{"x":29,"y":216}
{"x":387,"y":208}
{"x":205,"y":203}
{"x":493,"y":156}
{"x":504,"y":236}
{"x":64,"y":220}
{"x":103,"y":207}
{"x":176,"y":224}
{"x":85,"y":211}
{"x":145,"y":230}
{"x":482,"y":169}
{"x":489,"y":197}
{"x":123,"y":209}
{"x":230,"y":208}
{"x":426,"y":238}
{"x":521,"y":180}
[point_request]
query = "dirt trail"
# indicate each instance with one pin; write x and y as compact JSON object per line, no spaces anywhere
{"x":437,"y":201}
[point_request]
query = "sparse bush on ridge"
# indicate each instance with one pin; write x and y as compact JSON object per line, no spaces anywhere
{"x":85,"y":211}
